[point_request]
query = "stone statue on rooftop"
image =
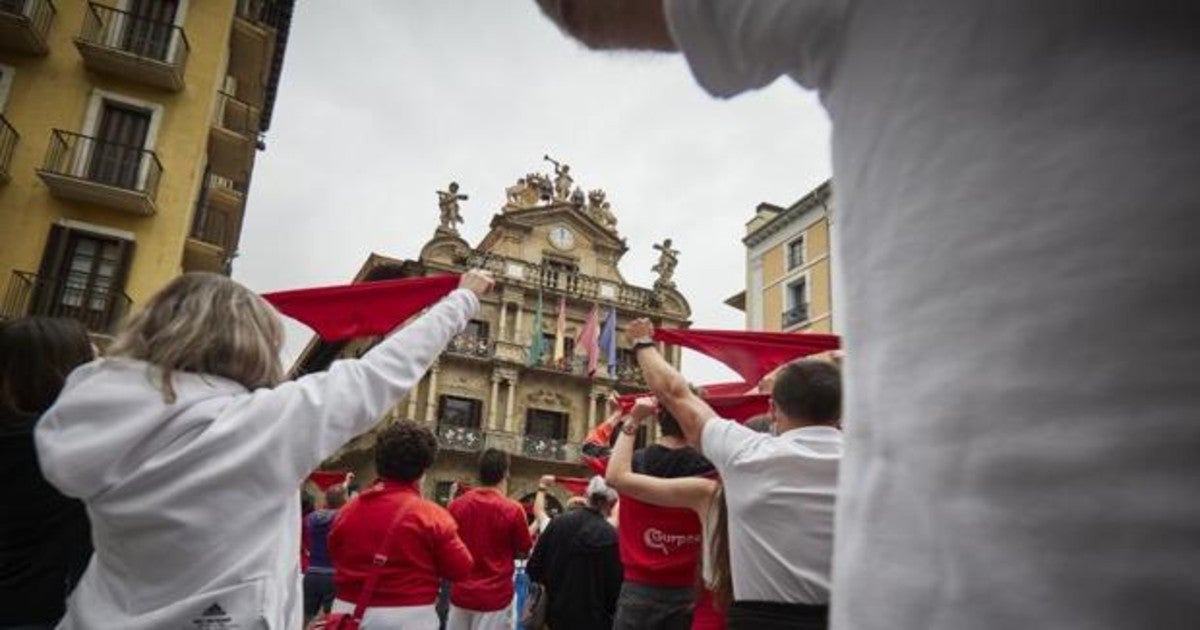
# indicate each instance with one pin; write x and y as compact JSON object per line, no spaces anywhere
{"x":598,"y":208}
{"x":448,"y":204}
{"x":668,"y":259}
{"x":562,"y":178}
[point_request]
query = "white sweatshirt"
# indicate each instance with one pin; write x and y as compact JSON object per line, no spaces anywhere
{"x":194,"y":504}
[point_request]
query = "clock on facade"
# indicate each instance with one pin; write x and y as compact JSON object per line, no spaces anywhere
{"x":562,"y":238}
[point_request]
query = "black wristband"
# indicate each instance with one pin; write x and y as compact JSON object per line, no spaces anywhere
{"x":641,"y":345}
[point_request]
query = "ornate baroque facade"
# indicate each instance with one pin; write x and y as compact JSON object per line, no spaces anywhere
{"x":545,"y":244}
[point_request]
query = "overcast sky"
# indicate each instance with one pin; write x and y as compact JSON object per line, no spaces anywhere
{"x":382,"y":103}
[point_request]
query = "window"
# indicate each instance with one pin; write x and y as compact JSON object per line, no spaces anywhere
{"x":455,"y":411}
{"x":546,"y":424}
{"x":120,"y":138}
{"x":476,"y":329}
{"x":797,"y":304}
{"x":149,"y":28}
{"x":548,"y":344}
{"x":6,"y":79}
{"x":795,"y":252}
{"x":82,"y":276}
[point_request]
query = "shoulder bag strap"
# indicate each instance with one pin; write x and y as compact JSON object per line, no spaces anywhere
{"x":380,"y":559}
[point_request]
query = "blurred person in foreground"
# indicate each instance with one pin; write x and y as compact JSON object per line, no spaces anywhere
{"x":1016,"y":223}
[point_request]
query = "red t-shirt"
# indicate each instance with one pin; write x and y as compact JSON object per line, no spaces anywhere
{"x":495,"y":531}
{"x":424,"y":547}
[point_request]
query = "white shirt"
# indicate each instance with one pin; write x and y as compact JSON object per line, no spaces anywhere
{"x":194,"y":504}
{"x":1017,"y":219}
{"x":780,"y":493}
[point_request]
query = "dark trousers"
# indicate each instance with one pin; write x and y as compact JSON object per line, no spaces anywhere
{"x":646,"y":607}
{"x":776,"y":616}
{"x":318,"y":593}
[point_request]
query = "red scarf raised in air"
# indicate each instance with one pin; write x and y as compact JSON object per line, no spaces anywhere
{"x":752,"y":355}
{"x":362,"y":309}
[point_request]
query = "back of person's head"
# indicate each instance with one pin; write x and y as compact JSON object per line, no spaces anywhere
{"x":808,"y":392}
{"x":599,"y":495}
{"x":335,"y":497}
{"x":493,"y":466}
{"x":205,"y":323}
{"x":36,"y":355}
{"x":404,"y":451}
{"x":668,"y":426}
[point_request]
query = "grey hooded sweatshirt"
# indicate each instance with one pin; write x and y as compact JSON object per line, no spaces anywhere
{"x":194,"y":506}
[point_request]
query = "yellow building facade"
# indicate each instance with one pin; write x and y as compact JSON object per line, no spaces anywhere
{"x":544,"y":249}
{"x":127,"y":141}
{"x":789,"y":268}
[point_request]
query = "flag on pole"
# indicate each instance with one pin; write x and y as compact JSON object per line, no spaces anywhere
{"x":560,"y":331}
{"x":608,"y":341}
{"x":537,"y":342}
{"x":587,"y":342}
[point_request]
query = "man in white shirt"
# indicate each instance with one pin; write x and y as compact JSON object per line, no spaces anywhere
{"x":780,"y":490}
{"x":1018,"y":212}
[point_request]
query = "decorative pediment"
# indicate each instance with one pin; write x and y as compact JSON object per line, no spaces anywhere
{"x":526,"y":221}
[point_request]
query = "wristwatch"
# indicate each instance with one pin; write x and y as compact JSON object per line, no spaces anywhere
{"x":643,"y":342}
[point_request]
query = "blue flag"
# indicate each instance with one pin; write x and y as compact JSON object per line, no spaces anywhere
{"x":608,"y":341}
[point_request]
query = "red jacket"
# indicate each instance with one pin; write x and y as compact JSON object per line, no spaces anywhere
{"x":494,"y":530}
{"x":659,"y":546}
{"x":424,"y":547}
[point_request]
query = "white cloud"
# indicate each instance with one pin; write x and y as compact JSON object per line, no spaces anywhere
{"x":382,"y":103}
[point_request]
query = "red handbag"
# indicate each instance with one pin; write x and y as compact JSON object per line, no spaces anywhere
{"x":353,"y":621}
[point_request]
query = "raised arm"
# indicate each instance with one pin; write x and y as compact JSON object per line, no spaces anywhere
{"x":306,"y":420}
{"x":611,"y":24}
{"x":669,"y":385}
{"x":684,"y":492}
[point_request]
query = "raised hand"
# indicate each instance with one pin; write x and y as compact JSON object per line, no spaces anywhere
{"x":477,"y":281}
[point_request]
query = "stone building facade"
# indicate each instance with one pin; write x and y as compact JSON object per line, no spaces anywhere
{"x":546,"y":246}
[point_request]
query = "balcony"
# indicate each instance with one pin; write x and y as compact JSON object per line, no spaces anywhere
{"x":233,"y":137}
{"x":118,"y":176}
{"x":8,"y":142}
{"x":252,"y":48}
{"x":216,"y":226}
{"x":99,"y":308}
{"x":133,"y":47}
{"x":549,"y":449}
{"x":577,"y":285}
{"x":458,"y":438}
{"x":24,"y":25}
{"x":795,"y":315}
{"x":471,"y":346}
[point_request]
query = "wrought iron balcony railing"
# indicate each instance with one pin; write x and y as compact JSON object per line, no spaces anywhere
{"x":156,"y":40}
{"x":103,"y":162}
{"x":546,"y":448}
{"x":460,"y":438}
{"x":24,"y":24}
{"x":8,"y":142}
{"x":472,"y":346}
{"x":795,"y":315}
{"x":99,"y":307}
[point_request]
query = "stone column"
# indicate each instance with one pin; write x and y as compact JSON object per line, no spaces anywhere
{"x":503,"y":320}
{"x":516,"y":330}
{"x":509,"y":420}
{"x":431,"y":402}
{"x":493,"y":417}
{"x":591,"y":412}
{"x":412,"y":401}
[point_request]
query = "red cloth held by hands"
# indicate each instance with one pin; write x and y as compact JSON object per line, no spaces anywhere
{"x":752,"y":355}
{"x":362,"y":309}
{"x":326,"y":479}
